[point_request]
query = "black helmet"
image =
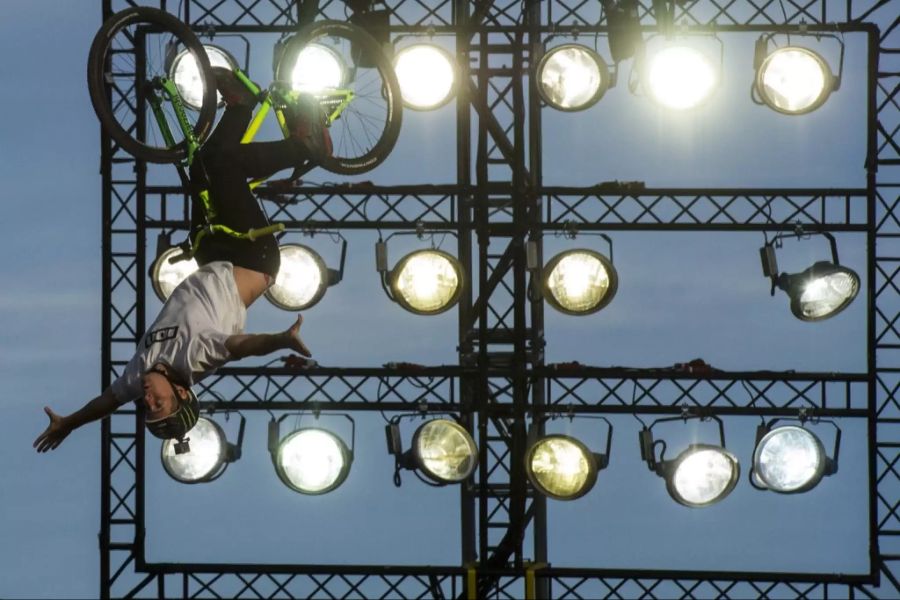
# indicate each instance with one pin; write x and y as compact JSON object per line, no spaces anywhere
{"x":179,"y":422}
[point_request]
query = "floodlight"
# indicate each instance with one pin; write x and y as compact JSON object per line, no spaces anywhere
{"x":679,"y":77}
{"x":165,"y":275}
{"x":442,"y":450}
{"x":701,"y":475}
{"x":184,"y":73}
{"x":791,"y":459}
{"x":424,"y":282}
{"x":572,"y":77}
{"x":820,"y":291}
{"x":427,"y":76}
{"x":579,"y":282}
{"x":309,"y":460}
{"x":302,"y":277}
{"x":794,"y":80}
{"x":208,"y":455}
{"x":562,"y":467}
{"x":317,"y":70}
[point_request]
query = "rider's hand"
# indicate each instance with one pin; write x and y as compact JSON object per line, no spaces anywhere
{"x":294,"y":341}
{"x":55,"y":433}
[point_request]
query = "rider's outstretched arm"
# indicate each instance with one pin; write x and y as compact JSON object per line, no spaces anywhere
{"x":260,"y":344}
{"x":60,"y":427}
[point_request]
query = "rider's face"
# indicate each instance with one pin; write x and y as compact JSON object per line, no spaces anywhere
{"x":158,"y":396}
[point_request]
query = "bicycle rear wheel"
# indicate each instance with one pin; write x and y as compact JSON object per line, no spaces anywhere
{"x":366,"y":130}
{"x":131,"y":50}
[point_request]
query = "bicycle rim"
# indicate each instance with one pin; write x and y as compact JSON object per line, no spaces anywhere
{"x":366,"y":130}
{"x":130,"y":50}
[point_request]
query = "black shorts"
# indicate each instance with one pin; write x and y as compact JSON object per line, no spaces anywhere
{"x":224,"y":166}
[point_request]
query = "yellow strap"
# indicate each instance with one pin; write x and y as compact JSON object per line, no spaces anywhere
{"x":530,"y":568}
{"x":471,"y":584}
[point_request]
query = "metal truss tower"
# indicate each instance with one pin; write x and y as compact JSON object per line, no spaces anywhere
{"x":497,"y":204}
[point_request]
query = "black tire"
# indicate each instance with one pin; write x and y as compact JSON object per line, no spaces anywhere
{"x":365,"y":133}
{"x":115,"y":83}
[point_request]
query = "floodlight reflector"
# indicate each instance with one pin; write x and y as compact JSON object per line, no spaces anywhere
{"x":572,"y":77}
{"x":561,"y":467}
{"x":444,"y":451}
{"x":789,"y":459}
{"x":302,"y":278}
{"x":186,"y":76}
{"x":579,"y":282}
{"x":426,"y":74}
{"x":794,"y":80}
{"x":680,"y":77}
{"x":821,"y":291}
{"x":312,"y":461}
{"x":702,"y":475}
{"x":206,"y":458}
{"x":166,"y":276}
{"x":318,"y":69}
{"x":427,"y":282}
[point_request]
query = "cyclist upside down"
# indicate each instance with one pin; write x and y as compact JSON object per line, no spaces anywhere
{"x":200,"y":327}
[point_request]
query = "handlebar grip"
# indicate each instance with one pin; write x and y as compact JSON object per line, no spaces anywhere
{"x":253,"y":234}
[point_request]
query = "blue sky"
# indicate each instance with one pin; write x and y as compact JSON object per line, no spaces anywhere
{"x":681,"y":296}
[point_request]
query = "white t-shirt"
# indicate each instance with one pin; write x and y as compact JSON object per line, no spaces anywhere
{"x":190,"y":332}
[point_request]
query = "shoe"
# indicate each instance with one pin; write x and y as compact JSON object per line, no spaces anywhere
{"x":233,"y":90}
{"x":308,"y":124}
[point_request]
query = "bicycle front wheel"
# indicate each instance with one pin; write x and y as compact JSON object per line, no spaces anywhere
{"x":128,"y":60}
{"x":346,"y":69}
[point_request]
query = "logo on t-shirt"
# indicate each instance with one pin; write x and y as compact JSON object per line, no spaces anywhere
{"x":160,"y":335}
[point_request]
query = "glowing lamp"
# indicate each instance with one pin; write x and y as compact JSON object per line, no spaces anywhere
{"x":794,"y":80}
{"x":791,"y":459}
{"x":679,"y":77}
{"x":572,"y":77}
{"x":186,"y":76}
{"x":165,"y":275}
{"x":208,"y":456}
{"x":579,"y":282}
{"x":426,"y":74}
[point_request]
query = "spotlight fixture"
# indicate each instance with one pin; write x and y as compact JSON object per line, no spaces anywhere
{"x":424,"y":282}
{"x":624,"y":21}
{"x":317,"y":69}
{"x":303,"y":277}
{"x":165,"y":275}
{"x":572,"y":77}
{"x":578,"y":281}
{"x":790,"y":459}
{"x":184,"y":73}
{"x":562,"y":467}
{"x":678,"y":76}
{"x":442,"y":450}
{"x":427,"y":76}
{"x":701,"y":475}
{"x":310,"y":460}
{"x":793,"y":80}
{"x":819,"y":292}
{"x":207,"y":456}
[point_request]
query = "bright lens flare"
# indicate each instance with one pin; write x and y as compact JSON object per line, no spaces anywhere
{"x":570,"y":78}
{"x":426,"y":76}
{"x":301,"y":279}
{"x":680,"y":77}
{"x":313,"y":460}
{"x":560,"y":467}
{"x":317,"y":69}
{"x":167,"y":276}
{"x":206,"y":456}
{"x":428,"y":281}
{"x":446,"y":451}
{"x":186,"y":75}
{"x":794,"y":80}
{"x":789,"y":459}
{"x":824,"y":295}
{"x":704,"y":476}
